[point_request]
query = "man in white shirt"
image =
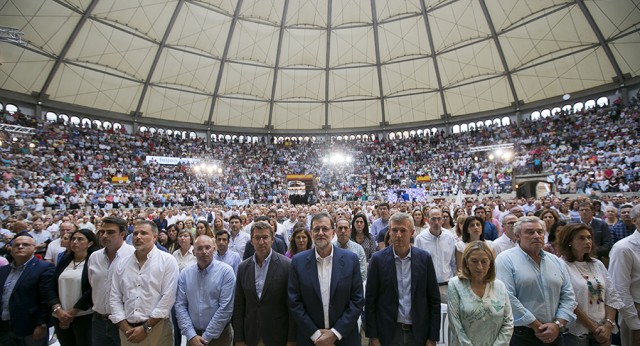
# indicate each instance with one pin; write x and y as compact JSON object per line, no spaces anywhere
{"x":508,"y":239}
{"x":144,"y":290}
{"x":289,"y":223}
{"x":624,"y":264}
{"x":101,"y":265}
{"x":40,"y":235}
{"x":54,"y":247}
{"x":86,"y":224}
{"x":442,"y":248}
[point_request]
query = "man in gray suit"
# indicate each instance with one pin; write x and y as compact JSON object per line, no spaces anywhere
{"x":260,"y":313}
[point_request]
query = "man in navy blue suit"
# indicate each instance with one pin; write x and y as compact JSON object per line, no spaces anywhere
{"x":402,"y":305}
{"x":26,"y":284}
{"x":325,"y":290}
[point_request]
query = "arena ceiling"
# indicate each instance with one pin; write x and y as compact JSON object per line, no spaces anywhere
{"x":314,"y":64}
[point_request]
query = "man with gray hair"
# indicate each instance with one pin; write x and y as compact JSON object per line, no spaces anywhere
{"x":402,"y":304}
{"x":539,"y":287}
{"x":508,"y":238}
{"x":625,"y":261}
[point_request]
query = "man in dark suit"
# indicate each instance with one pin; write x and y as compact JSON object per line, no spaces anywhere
{"x":260,"y":314}
{"x":402,"y":306}
{"x":26,"y":284}
{"x":325,"y":290}
{"x":601,"y":234}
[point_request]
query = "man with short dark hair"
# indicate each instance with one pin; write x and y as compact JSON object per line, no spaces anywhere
{"x":325,"y":290}
{"x":624,"y":227}
{"x":221,"y":252}
{"x":54,"y":247}
{"x":237,"y":239}
{"x":601,"y":233}
{"x":490,"y":231}
{"x":379,"y":227}
{"x":204,"y":302}
{"x":260,"y":314}
{"x":112,"y":232}
{"x":144,"y":290}
{"x":26,"y":286}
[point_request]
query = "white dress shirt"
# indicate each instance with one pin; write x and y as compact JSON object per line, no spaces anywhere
{"x":239,"y":242}
{"x":100,"y":275}
{"x":139,"y":293}
{"x":184,"y":260}
{"x":502,"y":243}
{"x":442,"y":249}
{"x":625,"y":259}
{"x":325,"y":269}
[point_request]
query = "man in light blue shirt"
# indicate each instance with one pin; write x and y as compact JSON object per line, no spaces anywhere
{"x":343,"y":240}
{"x":380,"y":225}
{"x":539,"y":288}
{"x":204,"y":303}
{"x":222,"y":254}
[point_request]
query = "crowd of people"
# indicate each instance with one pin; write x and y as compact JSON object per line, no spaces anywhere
{"x":515,"y":271}
{"x":65,"y":167}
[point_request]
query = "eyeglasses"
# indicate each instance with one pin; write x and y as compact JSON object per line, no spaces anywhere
{"x":436,"y":219}
{"x":511,"y":223}
{"x":320,"y":229}
{"x":260,"y":238}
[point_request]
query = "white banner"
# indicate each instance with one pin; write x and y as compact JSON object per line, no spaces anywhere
{"x":168,"y":160}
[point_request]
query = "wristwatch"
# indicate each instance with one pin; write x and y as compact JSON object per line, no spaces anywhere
{"x":562,"y":328}
{"x":147,"y":328}
{"x":613,"y":324}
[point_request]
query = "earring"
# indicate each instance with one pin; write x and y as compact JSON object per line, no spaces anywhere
{"x":569,"y":245}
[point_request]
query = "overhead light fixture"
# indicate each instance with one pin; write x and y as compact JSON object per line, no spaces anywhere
{"x":566,"y":96}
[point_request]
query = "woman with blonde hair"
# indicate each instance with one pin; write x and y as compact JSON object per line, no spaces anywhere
{"x":478,"y":307}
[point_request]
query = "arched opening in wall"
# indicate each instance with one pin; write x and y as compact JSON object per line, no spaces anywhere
{"x":556,"y":110}
{"x":241,"y":139}
{"x":578,"y":107}
{"x":152,"y":130}
{"x":497,"y":122}
{"x":479,"y":124}
{"x":86,"y":123}
{"x":234,"y":138}
{"x":420,"y":133}
{"x":65,"y":118}
{"x":434,"y":131}
{"x":75,"y":121}
{"x":143,"y":129}
{"x":488,"y":123}
{"x":227,"y":138}
{"x":97,"y":124}
{"x":506,"y":121}
{"x":463,"y":128}
{"x":535,"y":116}
{"x":472,"y":126}
{"x":161,"y":132}
{"x":117,"y":126}
{"x":412,"y":133}
{"x":358,"y":137}
{"x":405,"y":134}
{"x":1,"y":106}
{"x":256,"y":139}
{"x":603,"y":101}
{"x":456,"y":129}
{"x":373,"y":136}
{"x":214,"y":138}
{"x":306,"y":139}
{"x":392,"y":136}
{"x":170,"y":132}
{"x":184,"y":134}
{"x":220,"y":138}
{"x":352,"y":138}
{"x":11,"y":108}
{"x":107,"y":125}
{"x":51,"y":117}
{"x":590,"y":104}
{"x":193,"y":135}
{"x":545,"y":113}
{"x":567,"y":109}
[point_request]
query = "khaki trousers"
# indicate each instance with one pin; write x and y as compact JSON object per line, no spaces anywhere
{"x":161,"y":335}
{"x":626,"y":335}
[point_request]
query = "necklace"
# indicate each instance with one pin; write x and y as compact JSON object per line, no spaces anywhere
{"x":596,"y":290}
{"x":76,"y":265}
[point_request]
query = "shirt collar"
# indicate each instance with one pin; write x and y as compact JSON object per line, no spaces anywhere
{"x":13,"y":264}
{"x":207,"y":269}
{"x":398,"y":257}
{"x":266,"y":260}
{"x":318,"y":258}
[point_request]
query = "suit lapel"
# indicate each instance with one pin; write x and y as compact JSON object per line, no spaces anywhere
{"x":391,"y":263}
{"x":337,"y":266}
{"x":251,"y":273}
{"x":414,"y":269}
{"x":26,"y":272}
{"x":311,"y":267}
{"x":273,"y":267}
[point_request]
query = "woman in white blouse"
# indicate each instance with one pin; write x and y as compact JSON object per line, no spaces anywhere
{"x":478,"y":305}
{"x":72,"y":303}
{"x":184,"y":255}
{"x":472,"y":230}
{"x":596,"y":297}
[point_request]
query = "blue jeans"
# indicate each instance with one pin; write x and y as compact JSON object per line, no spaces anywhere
{"x":103,"y":332}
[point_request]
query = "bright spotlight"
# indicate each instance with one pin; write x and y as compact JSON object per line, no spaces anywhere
{"x":349,"y":159}
{"x":491,"y":157}
{"x":219,"y":170}
{"x":325,"y":160}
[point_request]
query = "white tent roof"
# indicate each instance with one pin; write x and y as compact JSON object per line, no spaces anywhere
{"x":314,"y":64}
